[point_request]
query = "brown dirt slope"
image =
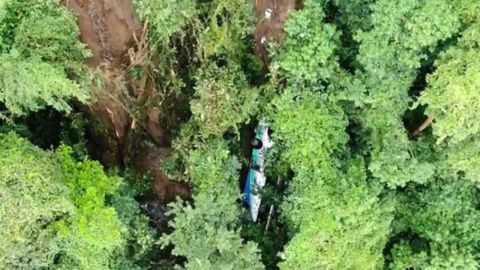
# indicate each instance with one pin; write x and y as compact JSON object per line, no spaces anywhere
{"x":271,"y":29}
{"x":107,"y":27}
{"x":116,"y":37}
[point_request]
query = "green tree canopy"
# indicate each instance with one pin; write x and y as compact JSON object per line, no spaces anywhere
{"x":55,"y":212}
{"x":41,"y":65}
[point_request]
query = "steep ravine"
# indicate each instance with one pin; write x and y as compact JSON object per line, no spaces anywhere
{"x":115,"y":35}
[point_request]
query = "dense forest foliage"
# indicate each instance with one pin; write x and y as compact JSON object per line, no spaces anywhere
{"x":135,"y":157}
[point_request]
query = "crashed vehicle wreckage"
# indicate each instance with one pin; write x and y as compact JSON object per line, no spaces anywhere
{"x":256,"y":177}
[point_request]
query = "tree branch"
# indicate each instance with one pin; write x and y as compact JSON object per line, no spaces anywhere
{"x":424,"y":125}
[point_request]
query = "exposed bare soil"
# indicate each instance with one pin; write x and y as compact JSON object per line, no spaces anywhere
{"x":116,"y":37}
{"x":107,"y":27}
{"x":271,"y":29}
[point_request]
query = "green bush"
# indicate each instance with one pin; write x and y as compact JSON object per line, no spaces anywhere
{"x":207,"y":234}
{"x":444,"y":216}
{"x":33,"y":200}
{"x":56,"y":213}
{"x":40,"y":65}
{"x":88,"y":187}
{"x":223,"y":100}
{"x":35,"y":37}
{"x":308,"y":57}
{"x":30,"y":85}
{"x":453,"y":90}
{"x":390,"y":53}
{"x":335,"y":218}
{"x":166,"y":17}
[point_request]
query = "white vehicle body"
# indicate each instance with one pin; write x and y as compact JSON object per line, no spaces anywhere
{"x":256,"y":178}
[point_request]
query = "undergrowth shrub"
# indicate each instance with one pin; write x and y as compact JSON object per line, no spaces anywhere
{"x":59,"y":212}
{"x":41,"y":65}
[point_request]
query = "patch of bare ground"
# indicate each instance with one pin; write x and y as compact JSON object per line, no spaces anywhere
{"x":128,"y":129}
{"x":271,"y":16}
